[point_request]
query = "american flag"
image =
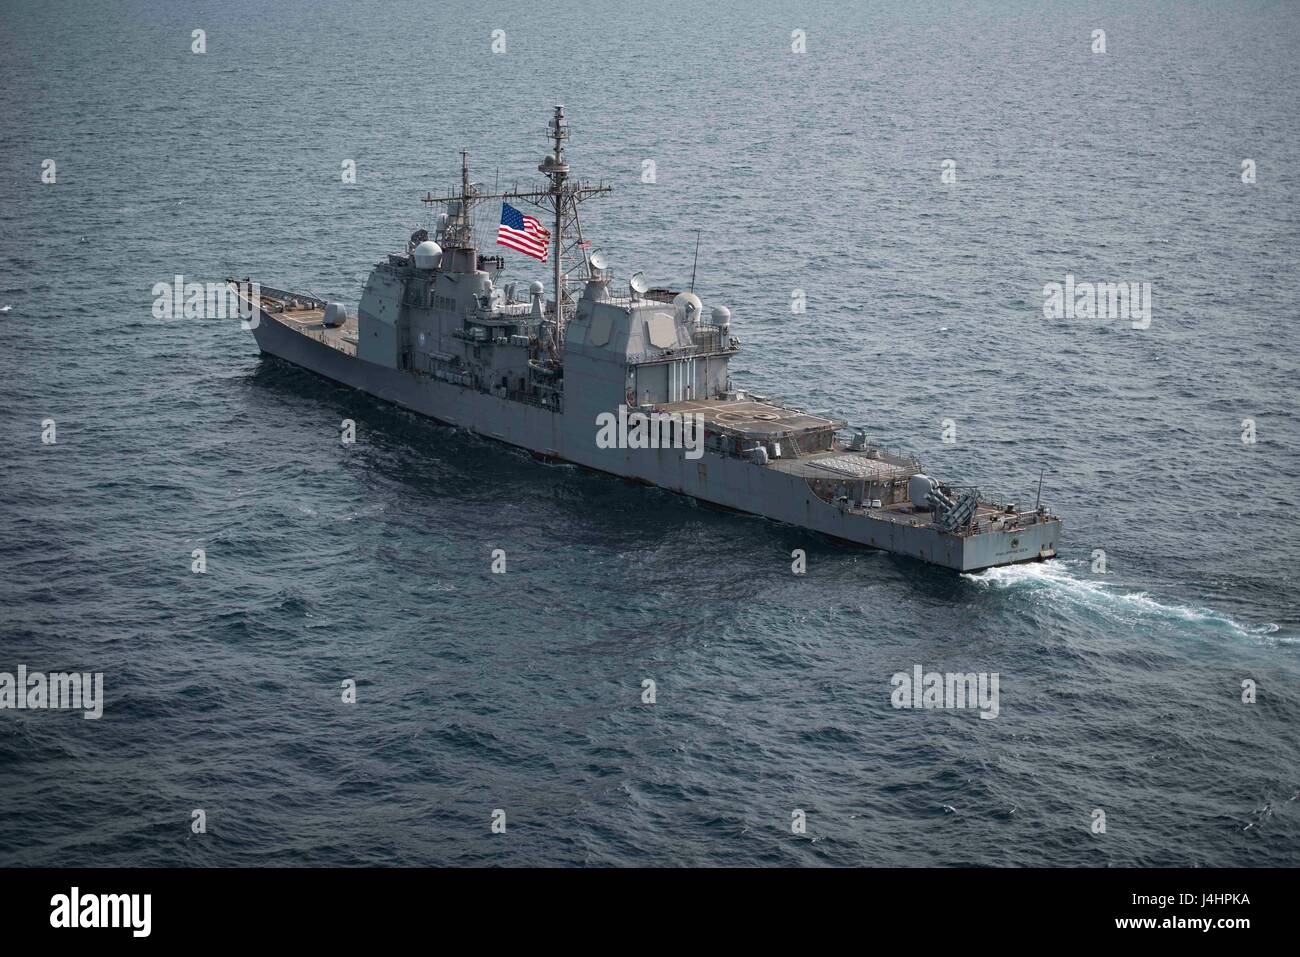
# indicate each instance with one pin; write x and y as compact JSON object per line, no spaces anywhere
{"x":523,"y":233}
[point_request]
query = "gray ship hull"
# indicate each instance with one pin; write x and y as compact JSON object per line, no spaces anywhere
{"x":727,"y":481}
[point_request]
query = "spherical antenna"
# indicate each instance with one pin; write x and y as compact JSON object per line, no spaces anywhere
{"x":536,"y":288}
{"x":687,"y":305}
{"x":427,"y":255}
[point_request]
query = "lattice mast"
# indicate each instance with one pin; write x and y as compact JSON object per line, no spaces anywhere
{"x":560,"y":200}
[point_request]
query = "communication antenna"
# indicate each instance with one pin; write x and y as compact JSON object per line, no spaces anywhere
{"x":697,"y":259}
{"x":638,"y":284}
{"x":558,"y":196}
{"x":599,"y":262}
{"x":1039,"y":501}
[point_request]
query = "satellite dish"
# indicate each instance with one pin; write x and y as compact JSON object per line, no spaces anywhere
{"x":598,"y":261}
{"x":638,"y":283}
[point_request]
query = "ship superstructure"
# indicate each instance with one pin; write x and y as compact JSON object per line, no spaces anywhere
{"x":436,"y":333}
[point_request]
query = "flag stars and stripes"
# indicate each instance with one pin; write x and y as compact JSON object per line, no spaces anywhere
{"x":522,"y":233}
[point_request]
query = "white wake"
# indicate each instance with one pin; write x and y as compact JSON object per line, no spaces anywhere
{"x":1056,"y":580}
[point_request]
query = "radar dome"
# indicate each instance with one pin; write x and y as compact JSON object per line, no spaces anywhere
{"x":427,"y":255}
{"x":687,"y":305}
{"x":721,"y":316}
{"x":536,"y":288}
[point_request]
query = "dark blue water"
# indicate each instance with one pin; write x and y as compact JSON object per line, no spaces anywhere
{"x":522,"y":691}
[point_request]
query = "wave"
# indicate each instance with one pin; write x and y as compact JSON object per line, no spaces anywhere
{"x":1056,"y":579}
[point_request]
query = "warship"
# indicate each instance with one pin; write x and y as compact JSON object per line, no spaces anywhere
{"x":624,"y":379}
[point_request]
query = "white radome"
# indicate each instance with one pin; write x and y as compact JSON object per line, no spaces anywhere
{"x":688,"y":306}
{"x":427,"y":255}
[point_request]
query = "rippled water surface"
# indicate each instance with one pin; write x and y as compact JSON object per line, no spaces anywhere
{"x":817,"y":172}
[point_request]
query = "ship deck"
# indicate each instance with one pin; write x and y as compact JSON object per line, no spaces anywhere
{"x":987,"y":518}
{"x":310,"y":321}
{"x":849,"y":465}
{"x":751,"y":418}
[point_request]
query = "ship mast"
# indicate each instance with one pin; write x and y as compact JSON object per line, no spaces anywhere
{"x":558,"y":171}
{"x":457,"y":234}
{"x":561,"y":198}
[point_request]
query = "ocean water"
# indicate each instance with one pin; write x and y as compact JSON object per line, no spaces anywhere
{"x":817,"y":171}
